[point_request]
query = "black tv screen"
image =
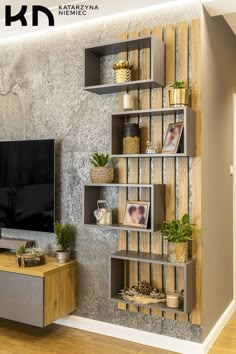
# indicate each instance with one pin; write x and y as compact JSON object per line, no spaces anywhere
{"x":27,"y":185}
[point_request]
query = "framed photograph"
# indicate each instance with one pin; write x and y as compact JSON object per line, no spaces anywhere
{"x":136,"y":214}
{"x":172,"y":139}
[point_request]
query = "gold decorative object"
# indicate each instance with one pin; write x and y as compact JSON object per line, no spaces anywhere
{"x":122,"y":71}
{"x":178,"y":97}
{"x":178,"y":252}
{"x":131,"y":138}
{"x":150,"y":149}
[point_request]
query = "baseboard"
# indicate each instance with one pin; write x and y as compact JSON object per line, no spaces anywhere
{"x":148,"y":338}
{"x":132,"y":335}
{"x":219,"y":326}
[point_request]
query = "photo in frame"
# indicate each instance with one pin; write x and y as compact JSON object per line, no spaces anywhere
{"x":136,"y":214}
{"x":172,"y":138}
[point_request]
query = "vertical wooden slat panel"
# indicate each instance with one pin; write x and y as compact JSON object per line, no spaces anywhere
{"x":145,"y":163}
{"x":183,"y":166}
{"x":122,"y":164}
{"x":157,"y":175}
{"x":133,"y":172}
{"x":170,"y":162}
{"x":196,"y":166}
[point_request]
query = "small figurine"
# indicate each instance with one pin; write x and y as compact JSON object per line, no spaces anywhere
{"x":149,"y":148}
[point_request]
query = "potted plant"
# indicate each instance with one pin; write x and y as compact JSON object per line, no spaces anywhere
{"x":102,"y":169}
{"x":178,"y":233}
{"x":63,"y":238}
{"x":178,"y":94}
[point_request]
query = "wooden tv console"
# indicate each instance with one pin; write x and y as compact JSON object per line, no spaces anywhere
{"x":37,"y":295}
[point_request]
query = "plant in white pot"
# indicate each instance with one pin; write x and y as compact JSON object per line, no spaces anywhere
{"x":178,"y":233}
{"x":102,"y":169}
{"x":178,"y":94}
{"x":63,"y":239}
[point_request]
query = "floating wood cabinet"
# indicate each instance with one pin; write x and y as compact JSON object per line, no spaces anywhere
{"x":94,"y":192}
{"x":119,"y":278}
{"x":185,"y":114}
{"x":38,"y":295}
{"x":93,"y":55}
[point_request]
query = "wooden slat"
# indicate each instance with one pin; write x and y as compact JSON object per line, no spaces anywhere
{"x":196,"y":167}
{"x":157,"y":97}
{"x":122,"y":170}
{"x":170,"y":162}
{"x":145,"y":175}
{"x":183,"y":165}
{"x":133,"y":171}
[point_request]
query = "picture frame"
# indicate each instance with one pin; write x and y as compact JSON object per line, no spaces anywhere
{"x":136,"y":214}
{"x":172,"y":138}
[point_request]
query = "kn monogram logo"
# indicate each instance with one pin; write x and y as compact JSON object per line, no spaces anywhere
{"x":21,"y":15}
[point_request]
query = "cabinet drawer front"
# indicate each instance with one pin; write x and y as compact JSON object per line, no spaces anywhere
{"x":21,"y":298}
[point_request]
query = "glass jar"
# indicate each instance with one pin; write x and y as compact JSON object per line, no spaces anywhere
{"x":131,"y":138}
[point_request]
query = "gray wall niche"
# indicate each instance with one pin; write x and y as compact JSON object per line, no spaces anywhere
{"x":41,"y":96}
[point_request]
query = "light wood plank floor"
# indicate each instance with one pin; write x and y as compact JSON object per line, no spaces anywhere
{"x":226,"y":343}
{"x":17,"y":338}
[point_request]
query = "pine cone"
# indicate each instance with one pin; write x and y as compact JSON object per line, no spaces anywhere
{"x":145,"y":288}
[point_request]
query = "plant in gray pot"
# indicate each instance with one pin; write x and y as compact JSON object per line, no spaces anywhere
{"x":102,"y":169}
{"x":178,"y":233}
{"x":63,"y":238}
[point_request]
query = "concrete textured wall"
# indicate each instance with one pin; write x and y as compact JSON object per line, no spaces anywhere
{"x":41,"y":96}
{"x":219,"y":84}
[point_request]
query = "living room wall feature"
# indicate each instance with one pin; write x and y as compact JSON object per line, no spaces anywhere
{"x":42,"y":96}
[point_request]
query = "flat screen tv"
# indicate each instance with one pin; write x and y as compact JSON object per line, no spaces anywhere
{"x":27,"y":185}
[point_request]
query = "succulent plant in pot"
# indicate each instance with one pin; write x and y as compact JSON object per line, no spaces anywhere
{"x":63,"y":237}
{"x":178,"y":94}
{"x":178,"y":233}
{"x":102,"y":169}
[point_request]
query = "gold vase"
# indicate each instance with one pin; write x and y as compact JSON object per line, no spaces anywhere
{"x":178,"y":97}
{"x":177,"y":252}
{"x":122,"y":75}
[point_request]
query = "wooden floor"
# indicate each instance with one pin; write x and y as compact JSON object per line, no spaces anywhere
{"x":226,"y":343}
{"x":16,"y":338}
{"x":21,"y":339}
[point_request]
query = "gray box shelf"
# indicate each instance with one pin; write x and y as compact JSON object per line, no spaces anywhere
{"x":94,"y":192}
{"x":188,"y":140}
{"x":119,"y":275}
{"x":92,"y":56}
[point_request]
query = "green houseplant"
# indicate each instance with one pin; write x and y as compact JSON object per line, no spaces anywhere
{"x":63,"y":239}
{"x":178,"y":233}
{"x":102,"y":169}
{"x":178,"y":94}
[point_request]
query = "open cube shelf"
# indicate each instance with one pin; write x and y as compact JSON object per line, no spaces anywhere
{"x":119,"y":278}
{"x":92,"y":81}
{"x":188,"y":139}
{"x":95,"y":192}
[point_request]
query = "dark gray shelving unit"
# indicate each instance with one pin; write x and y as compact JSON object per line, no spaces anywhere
{"x":119,"y":275}
{"x":92,"y":57}
{"x":94,"y":192}
{"x":188,"y":140}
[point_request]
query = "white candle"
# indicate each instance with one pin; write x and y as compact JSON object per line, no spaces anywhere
{"x":128,"y":102}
